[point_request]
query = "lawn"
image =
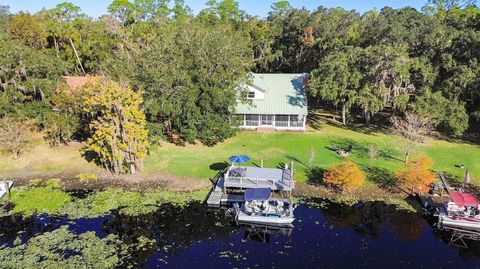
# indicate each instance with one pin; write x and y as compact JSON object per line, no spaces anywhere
{"x":274,"y":148}
{"x":277,"y":148}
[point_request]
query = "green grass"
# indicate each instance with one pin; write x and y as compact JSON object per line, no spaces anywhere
{"x":276,"y":148}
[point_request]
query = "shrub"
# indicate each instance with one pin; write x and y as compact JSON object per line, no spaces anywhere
{"x":14,"y":135}
{"x":36,"y":182}
{"x":417,"y":175}
{"x":59,"y":128}
{"x":345,"y":176}
{"x":86,"y":177}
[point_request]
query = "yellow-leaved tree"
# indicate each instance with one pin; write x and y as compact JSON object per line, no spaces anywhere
{"x":116,"y":123}
{"x":346,"y":176}
{"x":417,"y":176}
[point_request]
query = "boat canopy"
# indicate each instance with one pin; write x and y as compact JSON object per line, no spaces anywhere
{"x":463,"y":199}
{"x":257,"y":194}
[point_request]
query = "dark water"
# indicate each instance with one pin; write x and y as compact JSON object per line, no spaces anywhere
{"x":370,"y":235}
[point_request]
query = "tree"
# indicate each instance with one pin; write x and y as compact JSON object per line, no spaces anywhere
{"x":448,"y":115}
{"x":444,"y":7}
{"x":281,"y":7}
{"x":29,"y":29}
{"x":190,"y":77}
{"x":337,"y":80}
{"x":4,"y":17}
{"x":345,"y":176}
{"x":27,"y":76}
{"x":117,"y":125}
{"x":373,"y":153}
{"x":413,"y":129}
{"x":417,"y":176}
{"x":386,"y":79}
{"x":14,"y":135}
{"x":225,"y":10}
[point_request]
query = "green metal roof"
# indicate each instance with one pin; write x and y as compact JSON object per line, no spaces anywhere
{"x":284,"y":94}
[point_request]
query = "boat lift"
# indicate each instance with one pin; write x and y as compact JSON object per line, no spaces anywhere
{"x":459,"y":235}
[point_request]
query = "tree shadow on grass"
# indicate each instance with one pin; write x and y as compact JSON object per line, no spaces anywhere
{"x":315,"y":176}
{"x":345,"y":143}
{"x":92,"y":156}
{"x":295,"y":159}
{"x":383,"y":178}
{"x":387,"y":155}
{"x":359,"y":149}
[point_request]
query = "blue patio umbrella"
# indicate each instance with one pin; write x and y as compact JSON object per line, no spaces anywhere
{"x":239,"y":159}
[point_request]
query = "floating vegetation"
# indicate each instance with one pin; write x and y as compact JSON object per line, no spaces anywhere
{"x":46,"y":199}
{"x":64,"y":249}
{"x":350,"y":200}
{"x":50,"y":199}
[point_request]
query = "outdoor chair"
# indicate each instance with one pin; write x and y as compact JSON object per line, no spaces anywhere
{"x":349,"y":148}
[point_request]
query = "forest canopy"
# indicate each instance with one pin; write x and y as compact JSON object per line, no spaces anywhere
{"x":368,"y":66}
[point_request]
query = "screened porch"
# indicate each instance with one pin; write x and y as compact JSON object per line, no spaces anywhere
{"x":274,"y":121}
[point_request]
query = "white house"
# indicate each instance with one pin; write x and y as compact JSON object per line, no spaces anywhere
{"x":279,"y":102}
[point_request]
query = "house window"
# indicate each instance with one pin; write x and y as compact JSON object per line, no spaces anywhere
{"x":281,"y":120}
{"x":267,"y":120}
{"x":296,"y":121}
{"x":252,"y":120}
{"x":251,"y":95}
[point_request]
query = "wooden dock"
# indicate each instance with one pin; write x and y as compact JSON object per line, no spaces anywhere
{"x":214,"y":199}
{"x":257,"y":177}
{"x":241,"y":178}
{"x":217,"y":196}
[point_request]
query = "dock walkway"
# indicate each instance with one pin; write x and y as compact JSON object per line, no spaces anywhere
{"x":255,"y":177}
{"x":241,"y":178}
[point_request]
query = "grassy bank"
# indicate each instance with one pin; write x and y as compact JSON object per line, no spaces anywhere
{"x":277,"y":148}
{"x":200,"y":162}
{"x":52,"y":199}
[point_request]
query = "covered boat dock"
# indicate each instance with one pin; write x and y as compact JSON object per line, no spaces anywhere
{"x":239,"y":178}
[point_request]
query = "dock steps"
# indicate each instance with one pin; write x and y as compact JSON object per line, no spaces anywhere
{"x":214,"y":199}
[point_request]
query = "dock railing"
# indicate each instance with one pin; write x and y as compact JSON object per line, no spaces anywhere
{"x":255,"y":181}
{"x":252,"y":181}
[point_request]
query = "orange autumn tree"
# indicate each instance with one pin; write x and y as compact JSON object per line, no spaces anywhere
{"x":417,"y":176}
{"x":345,"y":176}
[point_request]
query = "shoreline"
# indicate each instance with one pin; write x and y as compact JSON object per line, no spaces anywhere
{"x":94,"y":197}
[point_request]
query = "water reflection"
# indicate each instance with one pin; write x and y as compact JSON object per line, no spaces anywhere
{"x":262,"y":233}
{"x":368,"y":235}
{"x":368,"y":219}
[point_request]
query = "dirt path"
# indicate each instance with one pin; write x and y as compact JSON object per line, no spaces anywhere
{"x":138,"y":182}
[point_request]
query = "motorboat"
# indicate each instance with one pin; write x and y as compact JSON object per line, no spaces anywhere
{"x":260,"y":208}
{"x":462,"y":212}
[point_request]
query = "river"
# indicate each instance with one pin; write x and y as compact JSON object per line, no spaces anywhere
{"x":367,"y":235}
